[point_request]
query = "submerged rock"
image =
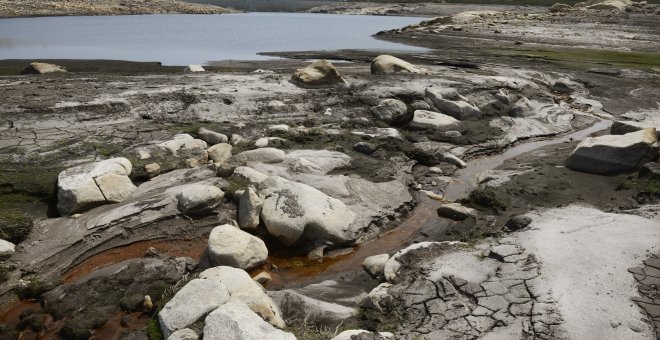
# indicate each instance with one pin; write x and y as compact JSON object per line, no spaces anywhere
{"x":86,"y":186}
{"x":613,"y":154}
{"x":43,"y":68}
{"x":235,"y":321}
{"x":319,"y":74}
{"x":230,"y":246}
{"x":384,"y":64}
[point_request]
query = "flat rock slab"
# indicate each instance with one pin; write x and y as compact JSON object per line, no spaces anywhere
{"x":585,"y":254}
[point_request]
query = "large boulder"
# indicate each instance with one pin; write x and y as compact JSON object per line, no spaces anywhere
{"x":292,"y":211}
{"x":613,"y":154}
{"x":235,"y":321}
{"x":384,"y":64}
{"x":319,"y":74}
{"x":86,"y":186}
{"x":230,"y":246}
{"x":249,"y":209}
{"x":43,"y":68}
{"x":197,"y":198}
{"x":449,"y":102}
{"x":423,"y":119}
{"x":390,"y":110}
{"x":241,"y":287}
{"x":192,"y":303}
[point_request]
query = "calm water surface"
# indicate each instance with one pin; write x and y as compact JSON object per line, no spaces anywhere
{"x":187,"y":39}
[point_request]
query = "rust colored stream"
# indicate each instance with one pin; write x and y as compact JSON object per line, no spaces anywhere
{"x":297,"y":271}
{"x":193,"y":248}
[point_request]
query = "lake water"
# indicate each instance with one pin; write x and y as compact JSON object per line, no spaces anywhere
{"x":192,"y":39}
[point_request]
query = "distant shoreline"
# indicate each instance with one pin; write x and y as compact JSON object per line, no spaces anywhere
{"x":53,"y":8}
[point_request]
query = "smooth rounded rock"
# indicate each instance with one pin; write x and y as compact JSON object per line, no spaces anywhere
{"x":230,"y":246}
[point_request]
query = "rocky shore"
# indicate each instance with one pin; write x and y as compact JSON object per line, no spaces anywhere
{"x":20,"y":8}
{"x":476,"y":192}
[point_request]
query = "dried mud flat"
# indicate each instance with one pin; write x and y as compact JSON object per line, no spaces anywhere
{"x":585,"y":267}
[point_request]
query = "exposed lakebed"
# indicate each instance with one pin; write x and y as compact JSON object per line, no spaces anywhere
{"x":192,"y":39}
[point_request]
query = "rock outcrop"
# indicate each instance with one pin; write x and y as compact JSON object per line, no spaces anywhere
{"x":86,"y":186}
{"x":612,"y":154}
{"x":319,"y":74}
{"x":449,"y":102}
{"x":230,"y":246}
{"x":43,"y":68}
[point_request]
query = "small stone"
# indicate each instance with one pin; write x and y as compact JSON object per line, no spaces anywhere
{"x":456,"y":211}
{"x":517,"y":222}
{"x":192,"y":163}
{"x":263,"y":278}
{"x":365,"y":148}
{"x":435,"y":170}
{"x":152,"y":168}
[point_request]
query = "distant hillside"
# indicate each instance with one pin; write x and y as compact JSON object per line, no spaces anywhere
{"x":23,"y":8}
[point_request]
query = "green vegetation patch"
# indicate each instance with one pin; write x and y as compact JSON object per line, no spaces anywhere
{"x":589,"y":58}
{"x":644,"y":185}
{"x":487,"y":198}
